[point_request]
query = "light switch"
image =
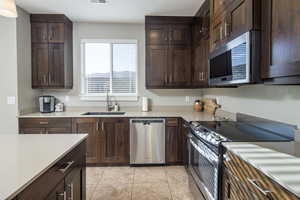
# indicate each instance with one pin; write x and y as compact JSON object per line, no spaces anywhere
{"x":11,"y":100}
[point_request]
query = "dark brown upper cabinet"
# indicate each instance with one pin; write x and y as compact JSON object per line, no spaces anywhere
{"x":52,"y":52}
{"x":281,"y":41}
{"x":231,"y":18}
{"x":200,"y":47}
{"x":168,"y":52}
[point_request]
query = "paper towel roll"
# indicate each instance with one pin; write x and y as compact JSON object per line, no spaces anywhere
{"x":145,"y":104}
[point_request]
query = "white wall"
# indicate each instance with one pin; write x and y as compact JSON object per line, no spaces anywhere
{"x":118,"y":31}
{"x":27,"y":97}
{"x":281,"y":103}
{"x":8,"y":75}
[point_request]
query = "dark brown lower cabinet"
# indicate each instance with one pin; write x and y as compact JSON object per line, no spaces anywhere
{"x":66,"y":179}
{"x":108,"y":140}
{"x":174,"y":141}
{"x":242,"y":181}
{"x":184,"y":132}
{"x":45,"y":125}
{"x":89,"y":126}
{"x":114,"y":140}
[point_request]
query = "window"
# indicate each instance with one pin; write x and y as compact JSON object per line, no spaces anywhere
{"x":109,"y":66}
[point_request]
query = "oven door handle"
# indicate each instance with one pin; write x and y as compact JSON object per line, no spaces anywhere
{"x":212,"y":159}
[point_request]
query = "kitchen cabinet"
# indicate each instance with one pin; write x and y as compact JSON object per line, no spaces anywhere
{"x":185,"y":132}
{"x":168,"y":52}
{"x":174,"y":141}
{"x":52,"y":52}
{"x":45,"y":125}
{"x":108,"y":139}
{"x":89,"y":126}
{"x":66,"y":179}
{"x":231,"y":18}
{"x":200,"y":50}
{"x":242,"y":181}
{"x":280,"y":42}
{"x":114,"y":142}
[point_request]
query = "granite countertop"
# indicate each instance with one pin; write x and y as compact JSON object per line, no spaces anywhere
{"x":188,"y":116}
{"x":21,"y":163}
{"x":280,"y":161}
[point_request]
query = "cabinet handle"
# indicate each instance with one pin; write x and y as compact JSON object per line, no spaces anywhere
{"x":49,"y":77}
{"x":69,"y":164}
{"x":71,"y":186}
{"x":170,"y":78}
{"x":102,"y":126}
{"x":221,"y":33}
{"x":63,"y":194}
{"x":44,"y":123}
{"x":166,"y":79}
{"x":254,"y":183}
{"x":226,"y":29}
{"x":44,"y":79}
{"x":97,"y":126}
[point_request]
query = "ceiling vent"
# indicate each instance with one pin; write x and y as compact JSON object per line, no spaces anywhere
{"x":98,"y":1}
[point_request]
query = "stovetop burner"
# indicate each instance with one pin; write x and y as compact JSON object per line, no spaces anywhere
{"x":216,"y":132}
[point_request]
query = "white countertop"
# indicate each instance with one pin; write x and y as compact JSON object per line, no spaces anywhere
{"x":188,"y":116}
{"x":283,"y":168}
{"x":24,"y":158}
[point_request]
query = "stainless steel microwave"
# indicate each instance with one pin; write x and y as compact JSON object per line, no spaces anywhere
{"x":237,"y":62}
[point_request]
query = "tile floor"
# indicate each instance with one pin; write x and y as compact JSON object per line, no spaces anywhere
{"x":138,"y":183}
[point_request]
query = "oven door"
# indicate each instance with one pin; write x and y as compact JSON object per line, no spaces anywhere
{"x":203,"y":167}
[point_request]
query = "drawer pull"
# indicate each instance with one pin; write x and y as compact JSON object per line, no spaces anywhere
{"x":254,"y":183}
{"x":44,"y":123}
{"x":68,"y":165}
{"x":63,"y":194}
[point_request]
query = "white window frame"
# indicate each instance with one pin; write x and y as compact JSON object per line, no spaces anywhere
{"x":102,"y":97}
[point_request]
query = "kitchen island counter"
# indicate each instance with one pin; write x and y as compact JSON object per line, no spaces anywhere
{"x":24,"y":158}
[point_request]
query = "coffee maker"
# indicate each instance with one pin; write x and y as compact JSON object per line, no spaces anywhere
{"x":47,"y":104}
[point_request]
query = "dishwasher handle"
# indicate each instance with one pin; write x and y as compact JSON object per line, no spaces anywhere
{"x":147,"y":121}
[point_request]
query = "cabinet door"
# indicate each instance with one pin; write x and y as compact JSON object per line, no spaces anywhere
{"x":115,"y":140}
{"x":73,"y":185}
{"x":32,"y":131}
{"x":200,"y":64}
{"x":39,"y":33}
{"x":56,"y":65}
{"x":173,"y":142}
{"x":156,"y":66}
{"x":58,"y":193}
{"x":217,"y":33}
{"x":89,"y":126}
{"x":184,"y":133}
{"x":180,"y":34}
{"x":233,"y":189}
{"x":238,"y":20}
{"x":157,"y":34}
{"x":280,"y":39}
{"x":40,"y":65}
{"x":179,"y":68}
{"x":56,"y":32}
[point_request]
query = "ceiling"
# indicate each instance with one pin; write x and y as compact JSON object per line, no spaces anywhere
{"x":116,"y":11}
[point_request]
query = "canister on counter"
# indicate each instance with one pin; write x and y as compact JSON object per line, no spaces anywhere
{"x":198,"y":106}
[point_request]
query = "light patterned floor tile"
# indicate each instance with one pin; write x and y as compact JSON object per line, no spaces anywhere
{"x":149,"y":174}
{"x":151,"y":191}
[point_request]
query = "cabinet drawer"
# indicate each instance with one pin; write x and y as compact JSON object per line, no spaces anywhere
{"x":41,"y":187}
{"x":172,"y":122}
{"x":45,"y":123}
{"x":256,"y":181}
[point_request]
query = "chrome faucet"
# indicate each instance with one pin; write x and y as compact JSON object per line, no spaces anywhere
{"x":109,"y":106}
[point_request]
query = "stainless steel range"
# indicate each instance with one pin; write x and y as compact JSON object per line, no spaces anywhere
{"x":206,"y":152}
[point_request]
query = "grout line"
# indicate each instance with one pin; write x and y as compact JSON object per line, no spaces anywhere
{"x":132,"y":187}
{"x":169,"y":185}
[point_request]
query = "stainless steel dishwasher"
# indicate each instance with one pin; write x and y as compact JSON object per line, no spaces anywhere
{"x":147,"y":141}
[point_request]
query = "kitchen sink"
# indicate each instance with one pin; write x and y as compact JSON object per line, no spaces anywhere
{"x":104,"y":113}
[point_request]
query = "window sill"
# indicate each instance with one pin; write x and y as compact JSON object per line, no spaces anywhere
{"x":112,"y":98}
